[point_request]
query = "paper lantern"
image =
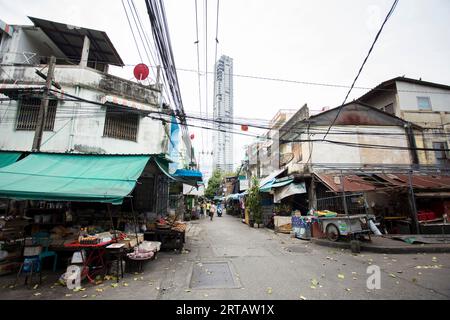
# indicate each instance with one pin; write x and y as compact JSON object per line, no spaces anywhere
{"x":244,"y":127}
{"x":141,"y":71}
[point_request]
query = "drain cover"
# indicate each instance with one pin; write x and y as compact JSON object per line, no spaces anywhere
{"x":212,"y":275}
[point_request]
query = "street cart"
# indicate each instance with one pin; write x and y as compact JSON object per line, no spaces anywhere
{"x":355,"y":226}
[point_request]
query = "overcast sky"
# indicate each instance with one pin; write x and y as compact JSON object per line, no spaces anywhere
{"x":312,"y":41}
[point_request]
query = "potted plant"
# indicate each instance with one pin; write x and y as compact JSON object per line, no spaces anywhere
{"x":253,"y":203}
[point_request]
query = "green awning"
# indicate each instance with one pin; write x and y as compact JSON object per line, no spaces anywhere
{"x":7,"y":157}
{"x":69,"y":177}
{"x":283,"y":183}
{"x":164,"y":168}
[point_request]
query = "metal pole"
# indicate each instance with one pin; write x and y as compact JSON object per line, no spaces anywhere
{"x":344,"y":200}
{"x":136,"y":225}
{"x":413,"y":203}
{"x":108,"y":206}
{"x":44,"y":107}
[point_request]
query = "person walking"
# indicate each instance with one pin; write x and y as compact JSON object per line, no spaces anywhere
{"x":212,"y":210}
{"x":208,"y":207}
{"x":199,"y":210}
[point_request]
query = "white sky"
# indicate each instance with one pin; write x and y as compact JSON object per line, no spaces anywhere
{"x":321,"y":41}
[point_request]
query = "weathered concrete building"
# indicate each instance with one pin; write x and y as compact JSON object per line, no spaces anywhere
{"x":94,"y":112}
{"x":351,"y":142}
{"x":421,"y":102}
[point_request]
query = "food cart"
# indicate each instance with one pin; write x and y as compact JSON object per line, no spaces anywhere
{"x":355,"y":226}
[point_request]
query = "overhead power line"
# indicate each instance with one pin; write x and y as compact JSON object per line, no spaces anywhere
{"x":308,"y":126}
{"x":364,"y":62}
{"x":197,"y":42}
{"x":266,"y":78}
{"x":348,"y":144}
{"x":132,"y":31}
{"x":268,"y":137}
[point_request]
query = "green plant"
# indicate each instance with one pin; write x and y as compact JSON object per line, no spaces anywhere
{"x":253,"y":202}
{"x":213,"y":184}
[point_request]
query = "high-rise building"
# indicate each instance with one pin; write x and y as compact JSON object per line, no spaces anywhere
{"x":223,"y":114}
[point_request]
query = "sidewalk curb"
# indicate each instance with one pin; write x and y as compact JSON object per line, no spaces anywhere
{"x":426,"y":248}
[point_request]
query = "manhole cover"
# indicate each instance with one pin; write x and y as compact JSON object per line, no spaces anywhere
{"x":212,"y":275}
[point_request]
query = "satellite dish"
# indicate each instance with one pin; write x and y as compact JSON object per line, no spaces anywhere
{"x":141,"y":71}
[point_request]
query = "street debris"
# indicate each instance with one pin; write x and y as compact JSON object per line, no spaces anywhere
{"x":314,"y":283}
{"x":436,"y":266}
{"x":341,"y":276}
{"x":269,"y":290}
{"x":302,"y":298}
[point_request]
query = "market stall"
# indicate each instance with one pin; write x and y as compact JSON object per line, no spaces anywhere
{"x":170,"y":232}
{"x":76,"y":202}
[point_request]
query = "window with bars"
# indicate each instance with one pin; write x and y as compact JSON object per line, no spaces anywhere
{"x":120,"y":124}
{"x":28,"y":113}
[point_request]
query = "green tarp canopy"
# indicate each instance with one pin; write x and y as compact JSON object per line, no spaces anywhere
{"x":68,"y":177}
{"x":8,"y":157}
{"x":278,"y":184}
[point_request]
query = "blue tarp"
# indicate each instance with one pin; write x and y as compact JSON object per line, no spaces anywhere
{"x":191,"y":174}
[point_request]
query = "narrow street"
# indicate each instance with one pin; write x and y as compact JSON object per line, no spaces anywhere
{"x":225,"y":259}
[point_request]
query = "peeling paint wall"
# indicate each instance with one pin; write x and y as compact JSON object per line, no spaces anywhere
{"x":329,"y":153}
{"x":78,"y":123}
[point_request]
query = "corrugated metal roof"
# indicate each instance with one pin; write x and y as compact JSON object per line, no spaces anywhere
{"x":373,"y":182}
{"x":69,"y":39}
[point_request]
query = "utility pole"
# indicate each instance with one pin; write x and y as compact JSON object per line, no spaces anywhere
{"x":44,"y":107}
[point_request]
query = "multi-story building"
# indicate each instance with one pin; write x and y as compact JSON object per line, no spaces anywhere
{"x":93,"y":112}
{"x":90,"y":111}
{"x":263,"y":154}
{"x":223,"y":114}
{"x":421,"y":102}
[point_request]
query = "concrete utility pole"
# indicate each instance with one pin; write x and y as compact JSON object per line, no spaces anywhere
{"x":44,"y":107}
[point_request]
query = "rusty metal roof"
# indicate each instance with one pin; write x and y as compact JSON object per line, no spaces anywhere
{"x":70,"y":40}
{"x":374,"y":182}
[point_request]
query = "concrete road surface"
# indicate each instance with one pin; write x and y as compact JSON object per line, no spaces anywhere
{"x":226,"y":259}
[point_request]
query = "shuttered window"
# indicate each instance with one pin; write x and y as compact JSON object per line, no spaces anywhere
{"x":28,"y":113}
{"x":120,"y":124}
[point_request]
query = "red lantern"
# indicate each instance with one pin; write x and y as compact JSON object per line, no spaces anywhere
{"x":244,"y":127}
{"x":141,"y":71}
{"x":192,"y":136}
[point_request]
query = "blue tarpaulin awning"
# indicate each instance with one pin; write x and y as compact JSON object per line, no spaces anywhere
{"x":191,"y":174}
